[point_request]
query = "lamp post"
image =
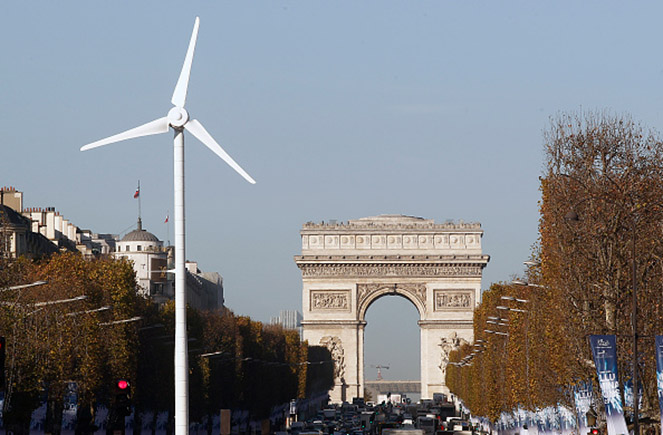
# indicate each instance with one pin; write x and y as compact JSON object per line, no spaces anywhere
{"x":636,"y":417}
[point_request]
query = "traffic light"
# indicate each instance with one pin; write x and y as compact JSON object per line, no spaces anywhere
{"x":594,"y":431}
{"x":122,"y":397}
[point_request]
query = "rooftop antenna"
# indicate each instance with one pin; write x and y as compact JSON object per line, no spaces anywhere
{"x":178,"y":119}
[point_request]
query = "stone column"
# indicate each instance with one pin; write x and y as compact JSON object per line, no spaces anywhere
{"x":341,"y":338}
{"x":360,"y":354}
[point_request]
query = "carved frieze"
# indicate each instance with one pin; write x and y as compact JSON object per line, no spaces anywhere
{"x":389,"y":270}
{"x":453,"y":300}
{"x":416,"y":291}
{"x":338,"y":300}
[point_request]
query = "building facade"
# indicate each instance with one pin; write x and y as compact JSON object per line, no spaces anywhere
{"x":33,"y":232}
{"x":289,"y":319}
{"x":152,"y":263}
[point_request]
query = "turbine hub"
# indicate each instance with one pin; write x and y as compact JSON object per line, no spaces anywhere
{"x":177,"y":116}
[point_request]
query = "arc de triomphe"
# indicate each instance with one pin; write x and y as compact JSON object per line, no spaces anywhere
{"x":348,"y":266}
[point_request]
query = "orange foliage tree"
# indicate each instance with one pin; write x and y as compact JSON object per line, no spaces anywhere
{"x":601,"y":213}
{"x":74,"y":328}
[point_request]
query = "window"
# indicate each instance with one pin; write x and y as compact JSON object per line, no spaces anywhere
{"x":157,"y":289}
{"x":138,"y":248}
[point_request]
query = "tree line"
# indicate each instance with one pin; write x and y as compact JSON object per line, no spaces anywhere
{"x":600,"y":239}
{"x":87,"y":325}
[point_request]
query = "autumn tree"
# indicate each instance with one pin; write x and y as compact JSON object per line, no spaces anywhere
{"x":235,"y":362}
{"x":601,"y":238}
{"x":63,"y":331}
{"x":80,"y":327}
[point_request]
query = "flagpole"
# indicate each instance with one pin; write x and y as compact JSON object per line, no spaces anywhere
{"x":138,"y":190}
{"x":168,"y":228}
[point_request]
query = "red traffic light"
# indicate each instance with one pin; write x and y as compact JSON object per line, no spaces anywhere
{"x":595,"y":431}
{"x":122,"y":384}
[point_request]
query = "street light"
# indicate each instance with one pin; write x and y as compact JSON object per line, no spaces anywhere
{"x":22,"y":286}
{"x":60,"y":301}
{"x":526,"y":284}
{"x":497,"y":319}
{"x":516,"y":310}
{"x":117,"y":322}
{"x":492,"y":322}
{"x":490,"y":331}
{"x":511,"y":298}
{"x":43,"y":304}
{"x":94,"y":310}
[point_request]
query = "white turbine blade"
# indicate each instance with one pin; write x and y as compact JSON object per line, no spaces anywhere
{"x":197,"y":129}
{"x":157,"y":126}
{"x":179,"y":95}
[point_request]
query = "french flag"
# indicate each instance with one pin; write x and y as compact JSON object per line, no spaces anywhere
{"x":137,"y":194}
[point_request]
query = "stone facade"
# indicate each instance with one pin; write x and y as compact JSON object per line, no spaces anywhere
{"x":346,"y":267}
{"x":152,"y":260}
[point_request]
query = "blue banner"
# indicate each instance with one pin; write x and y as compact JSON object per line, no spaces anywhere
{"x":604,"y":350}
{"x":659,"y":373}
{"x":583,"y":398}
{"x":628,"y":393}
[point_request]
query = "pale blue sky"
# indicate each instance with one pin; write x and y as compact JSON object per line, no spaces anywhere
{"x":339,"y":109}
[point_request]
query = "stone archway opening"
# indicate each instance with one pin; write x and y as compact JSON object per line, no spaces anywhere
{"x":346,"y":267}
{"x":392,"y":339}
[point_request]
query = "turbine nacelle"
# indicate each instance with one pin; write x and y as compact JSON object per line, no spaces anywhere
{"x":177,"y":117}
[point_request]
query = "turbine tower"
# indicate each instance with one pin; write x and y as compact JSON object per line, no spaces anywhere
{"x":178,"y":119}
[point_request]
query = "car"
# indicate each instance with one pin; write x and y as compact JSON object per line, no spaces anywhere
{"x":297,"y":427}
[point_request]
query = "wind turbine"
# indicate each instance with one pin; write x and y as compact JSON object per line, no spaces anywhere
{"x":178,"y":119}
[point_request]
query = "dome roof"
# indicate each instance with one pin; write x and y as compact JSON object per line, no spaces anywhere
{"x":393,"y":218}
{"x":140,"y":236}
